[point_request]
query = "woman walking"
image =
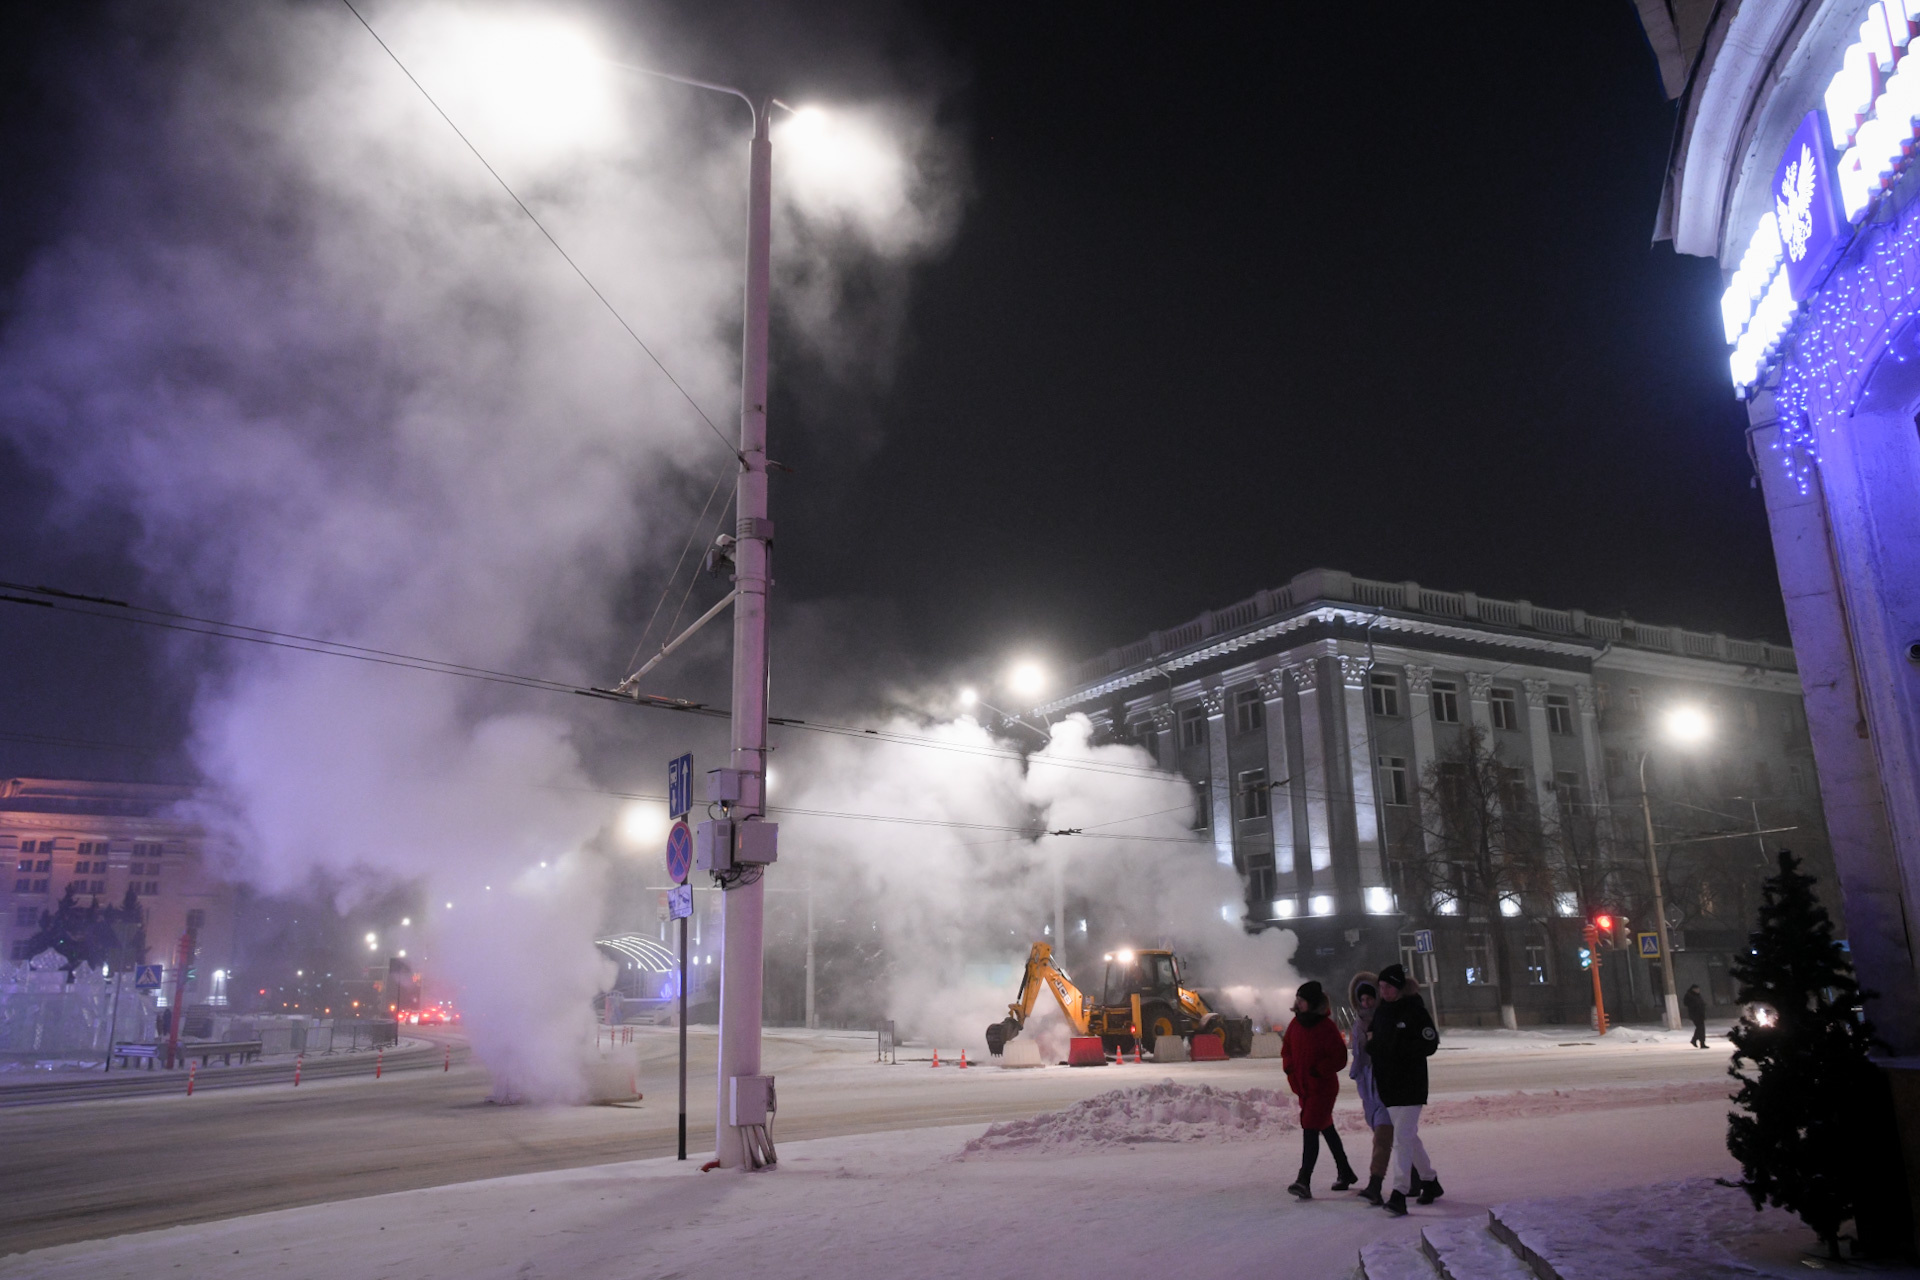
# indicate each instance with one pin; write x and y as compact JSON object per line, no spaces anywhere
{"x":1365,"y":998}
{"x":1312,"y":1052}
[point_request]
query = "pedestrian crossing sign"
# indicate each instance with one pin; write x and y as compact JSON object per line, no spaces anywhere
{"x":146,"y":977}
{"x":1650,"y":946}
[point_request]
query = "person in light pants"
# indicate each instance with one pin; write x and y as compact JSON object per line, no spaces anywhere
{"x":1400,"y":1038}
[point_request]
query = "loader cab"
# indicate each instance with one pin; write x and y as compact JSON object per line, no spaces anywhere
{"x":1147,"y":973}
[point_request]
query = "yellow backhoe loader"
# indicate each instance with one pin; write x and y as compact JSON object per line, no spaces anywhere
{"x":1140,"y":999}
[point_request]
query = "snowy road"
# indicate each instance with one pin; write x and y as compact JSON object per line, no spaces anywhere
{"x":79,"y":1171}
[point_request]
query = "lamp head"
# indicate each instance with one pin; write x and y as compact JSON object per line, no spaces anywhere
{"x":1686,"y":725}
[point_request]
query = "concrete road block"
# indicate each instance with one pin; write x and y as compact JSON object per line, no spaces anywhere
{"x":1023,"y":1052}
{"x":1171,"y":1049}
{"x":1266,"y":1044}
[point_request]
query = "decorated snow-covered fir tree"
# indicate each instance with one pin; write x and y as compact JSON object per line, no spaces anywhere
{"x":1817,"y":1110}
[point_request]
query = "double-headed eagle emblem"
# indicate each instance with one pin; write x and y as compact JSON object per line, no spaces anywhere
{"x":1794,"y":204}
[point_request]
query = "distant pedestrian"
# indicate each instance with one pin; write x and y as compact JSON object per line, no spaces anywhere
{"x":1400,"y":1038}
{"x":1365,"y":998}
{"x":1312,"y":1052}
{"x":1697,"y":1010}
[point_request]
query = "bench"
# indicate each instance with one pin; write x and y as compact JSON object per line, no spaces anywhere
{"x":225,"y":1050}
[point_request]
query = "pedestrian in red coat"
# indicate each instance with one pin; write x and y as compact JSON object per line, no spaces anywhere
{"x":1313,"y":1053}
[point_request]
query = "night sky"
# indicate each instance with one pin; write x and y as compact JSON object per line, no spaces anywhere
{"x":1238,"y":291}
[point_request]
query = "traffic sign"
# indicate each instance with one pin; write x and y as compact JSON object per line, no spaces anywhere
{"x":1650,"y":945}
{"x":680,"y":785}
{"x":680,"y":901}
{"x":679,"y":852}
{"x":1423,"y":942}
{"x":146,"y":977}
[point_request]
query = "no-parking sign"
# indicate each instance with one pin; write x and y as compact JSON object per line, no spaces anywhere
{"x":679,"y":852}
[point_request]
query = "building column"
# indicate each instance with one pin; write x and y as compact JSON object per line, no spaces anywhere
{"x":1220,"y":775}
{"x":1589,"y":732}
{"x":1164,"y":720}
{"x":1865,"y":851}
{"x":1273,"y":689}
{"x":1539,"y":742}
{"x":1479,"y":687}
{"x":1312,"y":768}
{"x":1420,"y":717}
{"x":1361,"y":768}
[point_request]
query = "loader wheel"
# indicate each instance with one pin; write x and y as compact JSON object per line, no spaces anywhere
{"x":1157,"y":1020}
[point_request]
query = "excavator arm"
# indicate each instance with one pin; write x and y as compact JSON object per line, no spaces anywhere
{"x":1041,"y":972}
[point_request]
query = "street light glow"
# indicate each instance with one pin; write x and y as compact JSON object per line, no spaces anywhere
{"x":968,"y":697}
{"x":1688,"y":725}
{"x":532,"y":85}
{"x":845,"y":164}
{"x":1028,"y":679}
{"x":644,"y":823}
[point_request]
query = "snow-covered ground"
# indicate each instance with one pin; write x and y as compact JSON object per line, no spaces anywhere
{"x":1051,"y":1196}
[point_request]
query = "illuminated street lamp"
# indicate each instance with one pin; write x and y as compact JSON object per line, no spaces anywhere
{"x":1027,"y":679}
{"x":1684,"y":726}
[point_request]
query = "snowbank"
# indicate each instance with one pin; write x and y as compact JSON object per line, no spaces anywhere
{"x":1171,"y":1112}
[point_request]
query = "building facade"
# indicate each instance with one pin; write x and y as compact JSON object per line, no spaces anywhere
{"x":1320,"y":723}
{"x":1793,"y":166}
{"x":100,"y":839}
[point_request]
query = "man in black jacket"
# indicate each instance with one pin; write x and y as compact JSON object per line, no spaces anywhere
{"x":1400,"y":1039}
{"x":1697,"y":1010}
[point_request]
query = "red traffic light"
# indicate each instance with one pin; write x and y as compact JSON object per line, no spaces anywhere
{"x":1604,"y":922}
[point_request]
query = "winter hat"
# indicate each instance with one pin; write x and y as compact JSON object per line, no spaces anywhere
{"x":1397,"y":975}
{"x":1361,"y":980}
{"x":1314,"y":994}
{"x":1364,"y":989}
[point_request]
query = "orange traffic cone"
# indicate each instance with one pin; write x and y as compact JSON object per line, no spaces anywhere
{"x":963,"y":1059}
{"x":1136,"y":1052}
{"x":191,"y":1068}
{"x":936,"y":1057}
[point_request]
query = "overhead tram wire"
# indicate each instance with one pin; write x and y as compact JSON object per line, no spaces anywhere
{"x":104,"y":607}
{"x":585,"y":279}
{"x":693,"y":533}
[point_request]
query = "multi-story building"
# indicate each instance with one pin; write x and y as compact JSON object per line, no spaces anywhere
{"x":100,"y":839}
{"x":1318,"y":722}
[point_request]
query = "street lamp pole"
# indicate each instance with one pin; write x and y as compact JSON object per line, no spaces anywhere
{"x":1659,"y":902}
{"x":743,"y":912}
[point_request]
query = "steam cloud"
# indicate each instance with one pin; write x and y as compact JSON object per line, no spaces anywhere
{"x":344,"y":388}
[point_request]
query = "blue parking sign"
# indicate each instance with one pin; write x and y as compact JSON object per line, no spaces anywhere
{"x":1423,"y":942}
{"x":680,"y":785}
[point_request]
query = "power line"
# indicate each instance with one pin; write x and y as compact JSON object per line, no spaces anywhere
{"x":584,"y":278}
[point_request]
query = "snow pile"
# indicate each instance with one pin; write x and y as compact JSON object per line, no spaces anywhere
{"x":1691,"y":1228}
{"x":1163,"y":1112}
{"x":1520,"y":1104}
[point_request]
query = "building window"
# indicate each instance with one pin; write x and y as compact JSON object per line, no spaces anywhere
{"x":27,"y":916}
{"x":1633,"y":700}
{"x":22,"y":886}
{"x":39,"y":886}
{"x":45,"y":864}
{"x":153,"y":886}
{"x":1446,"y":702}
{"x":1566,"y":789}
{"x":1559,"y":713}
{"x":1393,"y":780}
{"x":25,"y":864}
{"x":1193,"y":727}
{"x":1479,"y":949}
{"x":1321,"y":904}
{"x":1445,"y":903}
{"x":1249,"y":711}
{"x":1513,"y":789}
{"x":88,"y":848}
{"x":146,"y":849}
{"x":1616,"y":762}
{"x":1384,"y":687}
{"x":1533,"y":964}
{"x":1762,"y":778}
{"x":1260,"y":883}
{"x":1253,"y":797}
{"x":1506,"y":710}
{"x":1202,"y":811}
{"x":1786,"y":719}
{"x":1796,"y":780}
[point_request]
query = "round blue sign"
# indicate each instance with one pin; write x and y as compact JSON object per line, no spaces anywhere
{"x":679,"y":852}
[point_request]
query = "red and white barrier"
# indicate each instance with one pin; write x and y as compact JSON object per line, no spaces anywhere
{"x":299,"y":1060}
{"x":191,"y":1068}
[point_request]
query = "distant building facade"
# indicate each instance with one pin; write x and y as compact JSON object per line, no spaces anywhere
{"x":1314,"y":720}
{"x":99,"y":839}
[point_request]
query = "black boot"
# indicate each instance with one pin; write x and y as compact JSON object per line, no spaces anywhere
{"x":1397,"y":1204}
{"x":1371,"y":1192}
{"x":1431,"y":1190}
{"x":1300,"y":1187}
{"x":1346,"y":1179}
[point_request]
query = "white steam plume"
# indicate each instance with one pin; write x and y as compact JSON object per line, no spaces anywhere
{"x":343,"y":387}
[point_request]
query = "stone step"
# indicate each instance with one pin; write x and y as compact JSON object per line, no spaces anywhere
{"x":1395,"y":1260}
{"x":1468,"y":1249}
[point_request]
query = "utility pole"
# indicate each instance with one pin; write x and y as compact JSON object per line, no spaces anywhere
{"x":1659,"y":904}
{"x":812,"y":1020}
{"x":743,"y":910}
